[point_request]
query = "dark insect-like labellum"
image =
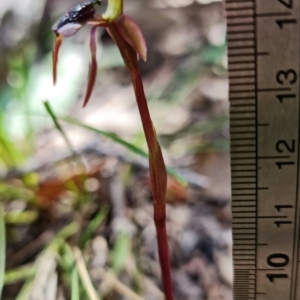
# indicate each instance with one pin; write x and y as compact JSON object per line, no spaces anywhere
{"x":77,"y":16}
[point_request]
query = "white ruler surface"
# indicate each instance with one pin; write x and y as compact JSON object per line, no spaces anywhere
{"x":264,"y":58}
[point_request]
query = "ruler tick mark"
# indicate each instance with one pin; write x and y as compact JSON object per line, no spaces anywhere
{"x":241,"y":62}
{"x":243,"y":139}
{"x":240,"y":32}
{"x":233,"y":106}
{"x":242,"y":158}
{"x":241,"y":125}
{"x":274,"y":269}
{"x":239,"y":132}
{"x":243,"y":98}
{"x":245,"y":233}
{"x":244,"y":170}
{"x":272,"y":157}
{"x":238,"y":1}
{"x":242,"y":152}
{"x":277,"y":14}
{"x":240,"y":77}
{"x":238,"y":176}
{"x":274,"y":89}
{"x":240,"y":16}
{"x":271,"y":217}
{"x":242,"y":112}
{"x":229,"y":39}
{"x":263,"y":125}
{"x":241,"y":83}
{"x":240,"y":8}
{"x":261,"y":53}
{"x":240,"y":47}
{"x":231,"y":70}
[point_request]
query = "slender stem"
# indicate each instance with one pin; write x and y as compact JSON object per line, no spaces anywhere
{"x":158,"y":201}
{"x":158,"y":175}
{"x":164,"y":258}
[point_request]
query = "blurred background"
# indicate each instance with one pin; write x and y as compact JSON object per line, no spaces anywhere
{"x":74,"y":186}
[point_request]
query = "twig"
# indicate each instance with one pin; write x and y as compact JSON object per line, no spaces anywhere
{"x":119,"y":287}
{"x":155,"y":291}
{"x":45,"y":281}
{"x":84,"y":275}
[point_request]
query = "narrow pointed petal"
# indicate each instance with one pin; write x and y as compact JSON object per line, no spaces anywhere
{"x":93,"y":66}
{"x":130,"y":31}
{"x":56,"y":47}
{"x":128,"y":53}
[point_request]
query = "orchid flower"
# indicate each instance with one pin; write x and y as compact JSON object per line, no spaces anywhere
{"x":130,"y":41}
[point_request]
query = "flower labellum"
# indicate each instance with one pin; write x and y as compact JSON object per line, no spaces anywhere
{"x":122,"y":29}
{"x":75,"y":18}
{"x":69,"y":24}
{"x":93,"y":66}
{"x":68,"y":29}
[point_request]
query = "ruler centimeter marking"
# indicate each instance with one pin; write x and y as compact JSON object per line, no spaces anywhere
{"x":264,"y":68}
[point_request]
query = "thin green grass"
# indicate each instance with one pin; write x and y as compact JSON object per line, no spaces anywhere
{"x":2,"y":247}
{"x":54,"y":248}
{"x":25,"y":290}
{"x":120,"y":252}
{"x":20,"y":217}
{"x":84,"y":275}
{"x":19,"y":274}
{"x":132,"y":148}
{"x":57,"y":125}
{"x":71,"y":271}
{"x":92,"y":226}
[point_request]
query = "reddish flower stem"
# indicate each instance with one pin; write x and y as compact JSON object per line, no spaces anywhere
{"x":159,"y":202}
{"x":157,"y":168}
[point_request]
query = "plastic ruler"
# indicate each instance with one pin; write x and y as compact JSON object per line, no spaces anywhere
{"x":263,"y":62}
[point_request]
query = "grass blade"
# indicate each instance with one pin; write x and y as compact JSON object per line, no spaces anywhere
{"x":20,"y":217}
{"x":2,"y":247}
{"x":25,"y":290}
{"x":132,"y":148}
{"x":112,"y":136}
{"x":19,"y":274}
{"x":92,"y":226}
{"x":120,"y":252}
{"x":73,"y":272}
{"x":57,"y":125}
{"x":84,"y":275}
